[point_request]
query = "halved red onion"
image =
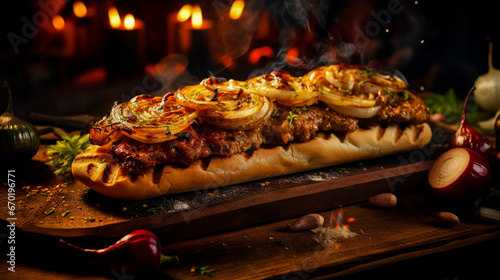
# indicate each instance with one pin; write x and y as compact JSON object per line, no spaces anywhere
{"x":460,"y":174}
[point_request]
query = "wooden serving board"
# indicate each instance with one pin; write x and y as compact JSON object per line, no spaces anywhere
{"x":47,"y":204}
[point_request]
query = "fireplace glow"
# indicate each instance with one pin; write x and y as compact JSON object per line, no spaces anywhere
{"x":236,"y":9}
{"x":184,"y":13}
{"x":79,"y":9}
{"x":114,"y":17}
{"x":129,"y":22}
{"x":197,"y":17}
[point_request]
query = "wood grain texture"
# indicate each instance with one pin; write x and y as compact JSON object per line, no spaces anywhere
{"x":270,"y":251}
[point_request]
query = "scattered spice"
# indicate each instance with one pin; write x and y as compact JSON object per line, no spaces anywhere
{"x":327,"y":236}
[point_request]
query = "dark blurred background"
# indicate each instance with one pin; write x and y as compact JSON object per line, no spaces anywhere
{"x":69,"y":57}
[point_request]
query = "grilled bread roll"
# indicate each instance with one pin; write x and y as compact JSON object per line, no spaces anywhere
{"x":97,"y":168}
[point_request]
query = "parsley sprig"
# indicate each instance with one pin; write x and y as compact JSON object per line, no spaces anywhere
{"x":66,"y":150}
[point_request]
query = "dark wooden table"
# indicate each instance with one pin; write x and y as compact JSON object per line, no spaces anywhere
{"x":386,"y":238}
{"x":404,"y":242}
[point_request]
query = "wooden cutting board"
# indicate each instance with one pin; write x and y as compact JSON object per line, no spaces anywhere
{"x":51,"y":205}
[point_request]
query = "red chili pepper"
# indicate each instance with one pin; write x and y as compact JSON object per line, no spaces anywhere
{"x":138,"y":252}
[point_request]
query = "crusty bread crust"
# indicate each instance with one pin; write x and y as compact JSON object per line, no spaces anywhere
{"x":97,"y":169}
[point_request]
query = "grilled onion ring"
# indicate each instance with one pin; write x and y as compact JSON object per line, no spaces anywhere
{"x":146,"y":119}
{"x":225,"y":107}
{"x":284,"y":88}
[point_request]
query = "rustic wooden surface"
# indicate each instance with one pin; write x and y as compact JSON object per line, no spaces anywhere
{"x":270,"y":251}
{"x":245,"y":237}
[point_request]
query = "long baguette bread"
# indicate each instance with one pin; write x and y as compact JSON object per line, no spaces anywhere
{"x":97,"y":169}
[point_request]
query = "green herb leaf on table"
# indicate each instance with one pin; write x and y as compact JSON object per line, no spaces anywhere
{"x":204,"y":270}
{"x":66,"y":150}
{"x":451,"y":108}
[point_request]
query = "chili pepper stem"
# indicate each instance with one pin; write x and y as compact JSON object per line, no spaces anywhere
{"x":168,"y":259}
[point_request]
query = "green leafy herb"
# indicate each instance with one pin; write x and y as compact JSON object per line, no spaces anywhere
{"x":204,"y":270}
{"x":490,"y":199}
{"x":451,"y":108}
{"x":66,"y":150}
{"x":65,"y":213}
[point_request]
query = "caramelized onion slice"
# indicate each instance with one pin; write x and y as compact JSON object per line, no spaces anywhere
{"x":357,"y":112}
{"x":146,"y":119}
{"x":226,"y":107}
{"x":284,"y":88}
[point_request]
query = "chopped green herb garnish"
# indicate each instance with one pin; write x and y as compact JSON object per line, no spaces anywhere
{"x":168,"y":130}
{"x":341,"y":170}
{"x":204,"y":270}
{"x":276,"y":113}
{"x":291,"y":116}
{"x":65,"y":213}
{"x":367,"y":73}
{"x":50,"y":212}
{"x":154,"y":210}
{"x":172,"y":147}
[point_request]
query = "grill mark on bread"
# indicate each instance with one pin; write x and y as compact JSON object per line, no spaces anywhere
{"x":380,"y":132}
{"x":205,"y":162}
{"x":341,"y":136}
{"x":399,"y":133}
{"x":158,"y":172}
{"x":418,"y":131}
{"x":90,"y":168}
{"x":106,"y":172}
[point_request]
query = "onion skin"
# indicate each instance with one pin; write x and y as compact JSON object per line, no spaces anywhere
{"x":473,"y":180}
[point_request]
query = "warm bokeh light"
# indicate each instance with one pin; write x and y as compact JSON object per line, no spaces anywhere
{"x":197,"y":17}
{"x":184,"y":13}
{"x":114,"y":17}
{"x":79,"y":9}
{"x":129,"y":22}
{"x":237,"y":9}
{"x":256,"y":54}
{"x":58,"y":22}
{"x":226,"y":60}
{"x":292,"y":55}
